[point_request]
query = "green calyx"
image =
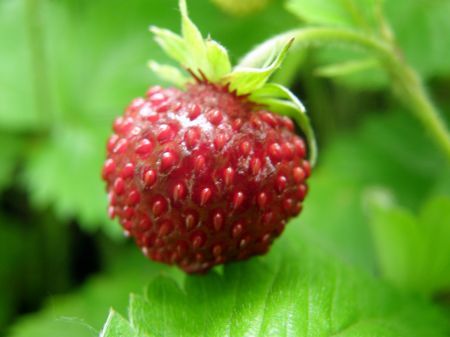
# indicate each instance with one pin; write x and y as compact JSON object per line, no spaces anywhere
{"x":207,"y":60}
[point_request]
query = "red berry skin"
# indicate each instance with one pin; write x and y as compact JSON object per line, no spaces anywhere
{"x":203,"y":177}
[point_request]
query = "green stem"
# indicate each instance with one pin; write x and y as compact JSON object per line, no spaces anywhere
{"x":412,"y":91}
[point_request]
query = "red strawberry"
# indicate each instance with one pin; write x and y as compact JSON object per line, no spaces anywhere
{"x":205,"y":176}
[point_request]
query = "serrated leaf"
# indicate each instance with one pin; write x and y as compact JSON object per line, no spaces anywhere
{"x":172,"y":44}
{"x":64,"y":173}
{"x":17,"y":109}
{"x":116,"y":325}
{"x":413,"y":252}
{"x":294,"y":291}
{"x":420,"y":27}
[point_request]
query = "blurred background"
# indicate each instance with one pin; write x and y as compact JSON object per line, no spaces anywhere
{"x":69,"y":67}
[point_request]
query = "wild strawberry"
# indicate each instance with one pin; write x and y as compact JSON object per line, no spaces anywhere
{"x":209,"y":174}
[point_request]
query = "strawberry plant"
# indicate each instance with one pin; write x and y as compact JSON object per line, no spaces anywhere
{"x":286,"y":160}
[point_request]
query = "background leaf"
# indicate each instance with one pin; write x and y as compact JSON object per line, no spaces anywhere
{"x":413,"y":251}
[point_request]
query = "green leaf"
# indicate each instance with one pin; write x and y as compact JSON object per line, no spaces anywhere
{"x":419,"y":27}
{"x":64,"y":172}
{"x":82,"y":312}
{"x":17,"y":109}
{"x":350,"y":13}
{"x":245,"y":80}
{"x":172,"y":44}
{"x":374,"y":155}
{"x":413,"y":252}
{"x":294,"y":291}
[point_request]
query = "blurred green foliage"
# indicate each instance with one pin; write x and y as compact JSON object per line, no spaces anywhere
{"x":67,"y":68}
